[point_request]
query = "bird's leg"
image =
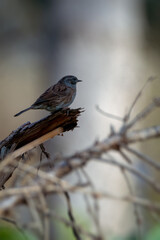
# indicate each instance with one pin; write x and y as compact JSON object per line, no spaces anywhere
{"x":53,"y":112}
{"x":67,"y":111}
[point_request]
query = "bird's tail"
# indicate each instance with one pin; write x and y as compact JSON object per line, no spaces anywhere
{"x":17,"y":114}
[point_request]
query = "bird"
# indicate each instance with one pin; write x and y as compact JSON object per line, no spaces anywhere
{"x":57,"y":97}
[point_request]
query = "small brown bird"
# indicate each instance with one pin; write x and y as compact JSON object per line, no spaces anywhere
{"x":57,"y":97}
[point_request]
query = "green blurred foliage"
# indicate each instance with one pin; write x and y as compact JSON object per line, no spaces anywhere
{"x":153,"y":234}
{"x":64,"y":232}
{"x":12,"y":233}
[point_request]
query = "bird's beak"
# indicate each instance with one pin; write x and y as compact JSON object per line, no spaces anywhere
{"x":79,"y":80}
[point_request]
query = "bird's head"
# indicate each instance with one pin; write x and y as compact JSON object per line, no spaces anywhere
{"x":70,"y":81}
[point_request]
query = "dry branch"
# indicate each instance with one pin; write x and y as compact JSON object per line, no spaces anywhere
{"x":30,"y":135}
{"x":33,"y":189}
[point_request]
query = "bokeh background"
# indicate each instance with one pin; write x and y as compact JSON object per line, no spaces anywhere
{"x":113,"y":46}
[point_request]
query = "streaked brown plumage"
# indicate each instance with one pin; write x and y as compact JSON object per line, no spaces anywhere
{"x":57,"y":97}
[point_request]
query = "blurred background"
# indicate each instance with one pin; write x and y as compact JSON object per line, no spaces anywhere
{"x":113,"y":46}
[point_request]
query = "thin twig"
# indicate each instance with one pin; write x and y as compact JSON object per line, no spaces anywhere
{"x":127,"y":116}
{"x":109,"y":115}
{"x":135,"y":206}
{"x":71,"y":217}
{"x":73,"y":224}
{"x":125,"y":157}
{"x":143,"y":157}
{"x":45,"y":209}
{"x":21,"y":230}
{"x":19,"y":195}
{"x":95,"y":213}
{"x":141,"y":115}
{"x":146,"y":178}
{"x":33,"y":211}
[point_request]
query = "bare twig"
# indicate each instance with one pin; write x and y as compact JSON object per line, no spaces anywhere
{"x":138,"y":219}
{"x":146,"y":111}
{"x":21,"y":230}
{"x":95,"y":212}
{"x":73,"y":224}
{"x":30,"y":135}
{"x":127,"y":116}
{"x":136,"y":172}
{"x":33,"y":211}
{"x":135,"y":206}
{"x":143,"y":157}
{"x":45,"y":209}
{"x":109,"y":115}
{"x":19,"y":195}
{"x":71,"y":217}
{"x":31,"y":190}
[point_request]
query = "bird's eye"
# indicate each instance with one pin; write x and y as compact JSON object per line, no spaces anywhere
{"x":72,"y":82}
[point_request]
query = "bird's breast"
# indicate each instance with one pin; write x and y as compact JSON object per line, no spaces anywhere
{"x":69,"y":98}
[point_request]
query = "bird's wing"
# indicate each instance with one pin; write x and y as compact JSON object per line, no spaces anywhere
{"x":55,"y":94}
